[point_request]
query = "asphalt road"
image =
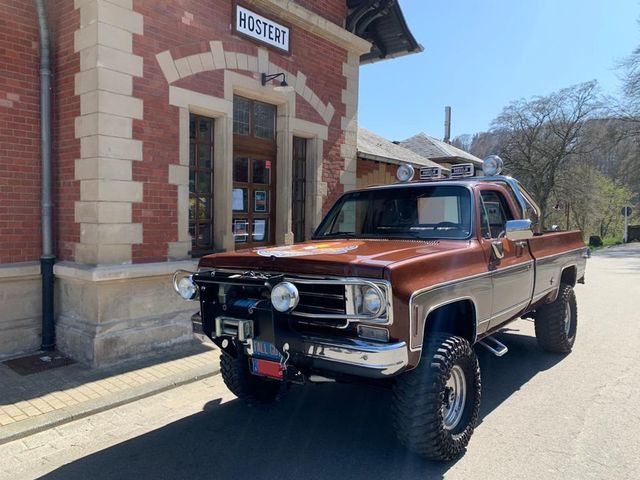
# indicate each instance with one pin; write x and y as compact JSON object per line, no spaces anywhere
{"x":543,"y":416}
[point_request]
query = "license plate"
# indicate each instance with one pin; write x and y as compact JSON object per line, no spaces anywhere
{"x":266,"y":350}
{"x":266,"y":368}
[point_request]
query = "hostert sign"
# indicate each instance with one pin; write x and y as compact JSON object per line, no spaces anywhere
{"x":262,"y":29}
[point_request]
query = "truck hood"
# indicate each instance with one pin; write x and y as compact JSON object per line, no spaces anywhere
{"x":352,"y":257}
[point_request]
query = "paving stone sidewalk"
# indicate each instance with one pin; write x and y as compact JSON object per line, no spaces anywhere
{"x":41,"y":400}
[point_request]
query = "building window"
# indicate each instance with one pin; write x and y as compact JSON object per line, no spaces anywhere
{"x":254,"y":159}
{"x":241,"y":114}
{"x":299,"y":187}
{"x":253,"y":118}
{"x":264,"y":120}
{"x":201,"y":183}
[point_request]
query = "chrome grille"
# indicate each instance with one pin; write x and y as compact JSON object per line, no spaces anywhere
{"x":321,"y":299}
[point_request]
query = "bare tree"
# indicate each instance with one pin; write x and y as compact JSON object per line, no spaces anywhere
{"x":630,"y":67}
{"x":539,"y":137}
{"x":463,"y":142}
{"x":626,"y":112}
{"x":484,"y":144}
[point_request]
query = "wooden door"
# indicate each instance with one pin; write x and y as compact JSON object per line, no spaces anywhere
{"x":254,"y":162}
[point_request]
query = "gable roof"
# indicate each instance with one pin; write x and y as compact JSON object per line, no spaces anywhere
{"x":374,"y":147}
{"x":429,"y":147}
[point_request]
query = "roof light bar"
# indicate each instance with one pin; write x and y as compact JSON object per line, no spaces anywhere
{"x":462,"y":170}
{"x":431,"y":173}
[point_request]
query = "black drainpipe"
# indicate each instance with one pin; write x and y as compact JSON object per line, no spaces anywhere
{"x":47,"y":259}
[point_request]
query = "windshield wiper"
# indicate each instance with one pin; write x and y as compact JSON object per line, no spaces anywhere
{"x":340,"y":234}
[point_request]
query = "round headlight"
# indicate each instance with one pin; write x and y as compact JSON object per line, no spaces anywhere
{"x":371,"y":301}
{"x":492,"y":165}
{"x":187,"y":289}
{"x":284,"y":296}
{"x":405,"y":173}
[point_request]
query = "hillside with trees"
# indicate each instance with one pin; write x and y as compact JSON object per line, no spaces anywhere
{"x":576,"y":151}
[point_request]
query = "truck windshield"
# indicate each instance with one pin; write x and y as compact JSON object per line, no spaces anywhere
{"x":421,"y":211}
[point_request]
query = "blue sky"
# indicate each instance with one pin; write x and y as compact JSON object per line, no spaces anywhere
{"x":481,"y":54}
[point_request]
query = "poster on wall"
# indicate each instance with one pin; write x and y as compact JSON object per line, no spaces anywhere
{"x":238,"y":200}
{"x":260,"y":201}
{"x":240,"y":231}
{"x":259,"y":230}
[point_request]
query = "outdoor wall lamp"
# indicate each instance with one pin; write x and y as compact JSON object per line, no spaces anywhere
{"x":283,"y":87}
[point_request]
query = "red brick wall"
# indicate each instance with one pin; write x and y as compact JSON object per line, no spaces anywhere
{"x":19,"y":133}
{"x":63,"y":22}
{"x":165,"y":29}
{"x":333,"y":10}
{"x":20,"y":165}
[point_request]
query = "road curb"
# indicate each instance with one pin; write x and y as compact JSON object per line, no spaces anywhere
{"x":30,"y":426}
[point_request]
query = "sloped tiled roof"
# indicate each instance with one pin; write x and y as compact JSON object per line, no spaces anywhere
{"x":374,"y":147}
{"x":429,"y":147}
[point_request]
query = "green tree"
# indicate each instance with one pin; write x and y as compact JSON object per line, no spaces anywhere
{"x":611,"y":199}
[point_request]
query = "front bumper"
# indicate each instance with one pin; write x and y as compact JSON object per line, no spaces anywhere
{"x":356,"y":357}
{"x":346,"y":356}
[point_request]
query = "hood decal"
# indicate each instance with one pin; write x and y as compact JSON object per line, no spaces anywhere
{"x":304,"y":249}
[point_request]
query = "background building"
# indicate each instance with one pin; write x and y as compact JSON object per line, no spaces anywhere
{"x":378,"y":159}
{"x":168,"y":144}
{"x":439,"y":151}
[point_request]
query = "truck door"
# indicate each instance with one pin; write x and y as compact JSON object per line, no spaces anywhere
{"x":510,"y":262}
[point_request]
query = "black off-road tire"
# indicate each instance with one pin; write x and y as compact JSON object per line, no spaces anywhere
{"x":419,"y":397}
{"x":243,"y":384}
{"x":551,"y":329}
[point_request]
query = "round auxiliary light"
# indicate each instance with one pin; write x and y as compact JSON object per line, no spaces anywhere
{"x":371,"y":301}
{"x":492,"y":165}
{"x":405,"y":173}
{"x":186,"y":288}
{"x":284,"y":296}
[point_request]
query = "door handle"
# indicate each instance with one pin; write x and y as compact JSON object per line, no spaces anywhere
{"x":498,"y":249}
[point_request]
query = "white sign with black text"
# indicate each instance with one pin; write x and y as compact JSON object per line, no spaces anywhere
{"x":262,"y":29}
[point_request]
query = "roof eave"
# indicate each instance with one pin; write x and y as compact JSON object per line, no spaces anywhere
{"x":394,"y":161}
{"x":364,"y":60}
{"x":383,"y":24}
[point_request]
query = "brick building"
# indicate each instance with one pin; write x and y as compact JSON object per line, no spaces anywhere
{"x":168,"y":142}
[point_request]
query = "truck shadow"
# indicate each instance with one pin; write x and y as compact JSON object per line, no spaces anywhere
{"x":315,"y":432}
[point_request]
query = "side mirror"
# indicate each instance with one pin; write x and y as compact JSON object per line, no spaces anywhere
{"x":516,"y":230}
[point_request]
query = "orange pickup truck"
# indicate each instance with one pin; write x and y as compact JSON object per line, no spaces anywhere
{"x":397,"y":285}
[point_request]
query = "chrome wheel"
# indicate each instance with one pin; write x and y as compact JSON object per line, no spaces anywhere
{"x":567,"y":319}
{"x":455,"y":395}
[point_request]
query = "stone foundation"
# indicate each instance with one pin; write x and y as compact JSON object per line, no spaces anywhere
{"x":106,"y":314}
{"x":20,"y":305}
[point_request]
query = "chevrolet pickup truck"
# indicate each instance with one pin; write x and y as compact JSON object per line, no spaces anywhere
{"x":396,"y":286}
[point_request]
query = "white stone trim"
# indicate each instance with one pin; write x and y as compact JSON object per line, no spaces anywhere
{"x":103,"y":169}
{"x":349,"y":122}
{"x":221,"y":59}
{"x":306,"y":129}
{"x":106,"y":273}
{"x":19,"y":270}
{"x":188,"y":99}
{"x":104,"y":83}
